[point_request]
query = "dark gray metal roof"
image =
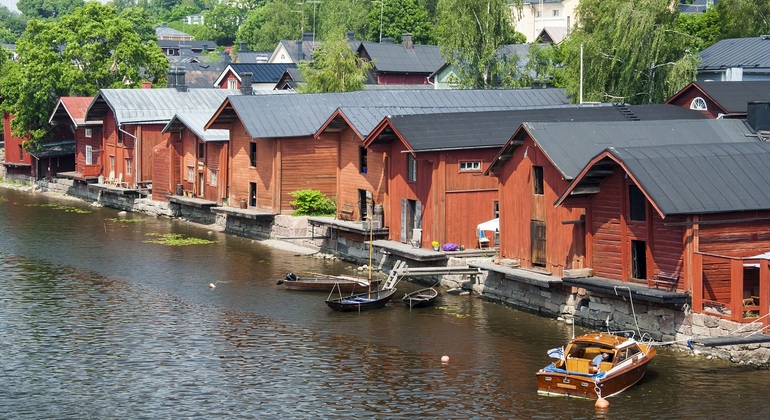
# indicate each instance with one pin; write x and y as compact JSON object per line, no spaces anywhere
{"x":207,"y":45}
{"x":569,"y":146}
{"x":733,"y":96}
{"x":154,"y":106}
{"x":300,"y":115}
{"x":702,"y":178}
{"x":397,"y":58}
{"x":748,"y":53}
{"x":262,"y":72}
{"x":460,"y":129}
{"x":195,"y":121}
{"x":54,"y":149}
{"x":697,"y":6}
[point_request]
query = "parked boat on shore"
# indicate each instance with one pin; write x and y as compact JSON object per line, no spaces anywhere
{"x":595,"y":365}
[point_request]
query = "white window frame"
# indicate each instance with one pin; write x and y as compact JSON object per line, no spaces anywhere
{"x":89,"y":155}
{"x":470,"y":166}
{"x":232,"y":84}
{"x":411,"y":168}
{"x":699,"y":104}
{"x":128,"y":166}
{"x":88,"y":133}
{"x":191,"y":173}
{"x":213,"y":177}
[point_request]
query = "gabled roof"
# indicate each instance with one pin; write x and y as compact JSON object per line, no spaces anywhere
{"x":195,"y":121}
{"x":154,"y":106}
{"x":260,"y":72}
{"x":732,"y":97}
{"x":301,"y":115}
{"x":570,"y":145}
{"x":72,"y":110}
{"x":252,"y":56}
{"x":201,"y":75}
{"x":552,"y":35}
{"x":696,"y":178}
{"x":748,"y":53}
{"x":396,"y":58}
{"x":462,"y":130}
{"x":195,"y":45}
{"x":164,"y":31}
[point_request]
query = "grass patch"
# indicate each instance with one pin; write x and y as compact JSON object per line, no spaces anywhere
{"x":121,"y":220}
{"x":175,"y":239}
{"x":68,"y":209}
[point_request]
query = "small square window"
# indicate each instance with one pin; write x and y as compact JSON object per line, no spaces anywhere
{"x":88,"y":133}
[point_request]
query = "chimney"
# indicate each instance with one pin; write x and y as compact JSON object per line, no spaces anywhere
{"x":180,"y":84}
{"x":205,"y":48}
{"x":244,"y":46}
{"x":146,"y":85}
{"x":387,"y":40}
{"x":300,"y":55}
{"x":308,"y":36}
{"x":246,"y":88}
{"x":758,"y":115}
{"x":407,"y":39}
{"x":172,"y":77}
{"x":351,"y":36}
{"x":225,"y":57}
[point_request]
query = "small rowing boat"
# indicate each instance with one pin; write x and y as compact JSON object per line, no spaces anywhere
{"x":420,"y":298}
{"x":326,"y":283}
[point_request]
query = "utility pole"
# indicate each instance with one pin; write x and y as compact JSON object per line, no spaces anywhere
{"x":382,"y":9}
{"x":314,"y":2}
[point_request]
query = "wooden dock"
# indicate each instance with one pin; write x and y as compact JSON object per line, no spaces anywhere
{"x":401,"y":269}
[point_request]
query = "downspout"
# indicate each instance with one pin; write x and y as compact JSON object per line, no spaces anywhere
{"x":136,"y":151}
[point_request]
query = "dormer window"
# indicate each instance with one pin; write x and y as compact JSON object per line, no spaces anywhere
{"x":232,"y":84}
{"x":698,"y":104}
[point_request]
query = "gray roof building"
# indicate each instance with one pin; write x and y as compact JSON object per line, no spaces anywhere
{"x":464,"y":130}
{"x":569,"y":146}
{"x":302,"y":115}
{"x":153,"y":106}
{"x":195,"y":121}
{"x":695,"y":178}
{"x":736,"y":59}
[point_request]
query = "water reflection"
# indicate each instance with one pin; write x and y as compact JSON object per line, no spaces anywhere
{"x":98,"y":324}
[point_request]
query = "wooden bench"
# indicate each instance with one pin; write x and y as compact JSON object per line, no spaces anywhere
{"x":664,"y":280}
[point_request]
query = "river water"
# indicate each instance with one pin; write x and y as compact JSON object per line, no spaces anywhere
{"x":98,"y":322}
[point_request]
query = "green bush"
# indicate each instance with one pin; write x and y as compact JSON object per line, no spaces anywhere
{"x":312,"y":203}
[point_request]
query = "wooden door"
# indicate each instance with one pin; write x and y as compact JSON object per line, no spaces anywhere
{"x":537,"y":241}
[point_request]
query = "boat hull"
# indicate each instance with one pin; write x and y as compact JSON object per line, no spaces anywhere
{"x":420,"y":298}
{"x":362,"y":301}
{"x":320,"y":284}
{"x":582,"y":386}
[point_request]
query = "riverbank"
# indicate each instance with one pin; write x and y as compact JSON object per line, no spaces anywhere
{"x":534,"y":292}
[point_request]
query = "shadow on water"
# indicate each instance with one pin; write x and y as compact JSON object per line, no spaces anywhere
{"x":99,"y":323}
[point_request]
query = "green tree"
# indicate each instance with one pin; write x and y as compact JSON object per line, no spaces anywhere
{"x":265,"y":26}
{"x":704,"y":29}
{"x":469,"y":33}
{"x":223,"y":21}
{"x":400,"y":17}
{"x":630,"y":52}
{"x":744,"y":18}
{"x":47,"y":8}
{"x":90,"y":49}
{"x":335,"y":68}
{"x":14,"y":22}
{"x":336,"y":16}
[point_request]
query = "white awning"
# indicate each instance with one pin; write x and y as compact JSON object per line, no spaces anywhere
{"x":493,"y":224}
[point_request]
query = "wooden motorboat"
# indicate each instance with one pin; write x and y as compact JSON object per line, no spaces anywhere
{"x":582,"y":371}
{"x":327,"y":283}
{"x":363,"y":301}
{"x":420,"y":298}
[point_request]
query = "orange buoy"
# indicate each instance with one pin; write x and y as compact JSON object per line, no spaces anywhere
{"x":601,"y":403}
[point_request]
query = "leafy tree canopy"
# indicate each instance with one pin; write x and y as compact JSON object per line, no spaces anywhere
{"x":400,"y":17}
{"x":744,"y":18}
{"x":630,"y":52}
{"x":335,"y":68}
{"x":337,"y":16}
{"x":89,"y":49}
{"x":265,"y":26}
{"x":14,"y":22}
{"x":223,"y":21}
{"x":46,"y":9}
{"x":704,"y":29}
{"x":469,"y":33}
